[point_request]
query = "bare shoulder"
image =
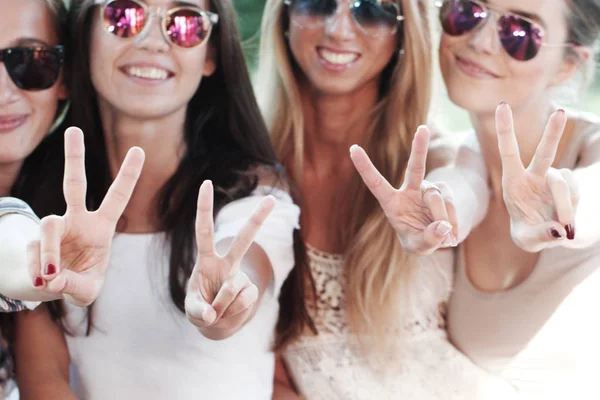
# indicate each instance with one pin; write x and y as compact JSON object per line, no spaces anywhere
{"x":589,"y":152}
{"x":273,"y":179}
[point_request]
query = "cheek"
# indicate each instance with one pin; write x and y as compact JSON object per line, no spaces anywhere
{"x":44,"y":104}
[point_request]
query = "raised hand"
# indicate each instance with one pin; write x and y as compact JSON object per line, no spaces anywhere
{"x":421,"y":212}
{"x":72,"y":255}
{"x":541,"y":200}
{"x":220,"y":295}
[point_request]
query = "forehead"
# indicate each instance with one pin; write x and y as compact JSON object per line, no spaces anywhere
{"x":549,"y":12}
{"x":26,"y":19}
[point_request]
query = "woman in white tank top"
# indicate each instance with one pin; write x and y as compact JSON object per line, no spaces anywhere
{"x":190,"y":300}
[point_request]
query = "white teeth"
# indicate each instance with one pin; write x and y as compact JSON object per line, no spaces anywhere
{"x":338,"y":58}
{"x":148,"y":73}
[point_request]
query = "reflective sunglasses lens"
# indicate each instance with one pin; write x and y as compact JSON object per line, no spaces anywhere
{"x":459,"y":17}
{"x":311,"y":13}
{"x":187,"y":27}
{"x":376,"y":18}
{"x":124,"y":18}
{"x":520,"y":38}
{"x":33,"y":69}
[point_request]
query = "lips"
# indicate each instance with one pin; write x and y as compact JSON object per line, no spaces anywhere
{"x":147,"y":72}
{"x":474,"y":69}
{"x":8,"y":123}
{"x":337,"y":57}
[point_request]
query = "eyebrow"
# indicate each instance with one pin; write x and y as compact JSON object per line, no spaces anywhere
{"x":529,"y":15}
{"x":28,"y":41}
{"x":181,"y":3}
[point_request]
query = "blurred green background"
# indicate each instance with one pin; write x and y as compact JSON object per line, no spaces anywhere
{"x":250,"y":13}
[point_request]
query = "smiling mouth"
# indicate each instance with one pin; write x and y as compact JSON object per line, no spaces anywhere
{"x":337,"y":58}
{"x":148,"y":73}
{"x":474,"y":69}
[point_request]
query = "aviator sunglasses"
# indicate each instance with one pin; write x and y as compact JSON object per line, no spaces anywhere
{"x":374,"y":18}
{"x":520,"y":37}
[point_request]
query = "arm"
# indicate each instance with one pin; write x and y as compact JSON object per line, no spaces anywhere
{"x":282,"y":385}
{"x":42,"y":357}
{"x":466,"y":179}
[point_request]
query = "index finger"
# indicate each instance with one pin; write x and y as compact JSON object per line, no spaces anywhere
{"x":120,"y":191}
{"x":377,"y":184}
{"x":245,"y":237}
{"x":205,"y":226}
{"x":546,"y":150}
{"x":74,"y":182}
{"x":507,"y":142}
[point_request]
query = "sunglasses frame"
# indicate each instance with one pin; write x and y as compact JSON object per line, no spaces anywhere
{"x":498,"y":13}
{"x":58,"y":51}
{"x":351,"y":6}
{"x":162,"y":13}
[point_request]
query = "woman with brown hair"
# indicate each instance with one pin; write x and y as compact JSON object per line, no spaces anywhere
{"x":170,"y":77}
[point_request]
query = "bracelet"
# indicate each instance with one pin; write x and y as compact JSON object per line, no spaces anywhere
{"x":11,"y":205}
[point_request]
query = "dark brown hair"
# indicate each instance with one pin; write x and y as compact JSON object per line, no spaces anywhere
{"x":226,"y":140}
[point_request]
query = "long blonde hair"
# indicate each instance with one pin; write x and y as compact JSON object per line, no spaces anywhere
{"x":376,"y":266}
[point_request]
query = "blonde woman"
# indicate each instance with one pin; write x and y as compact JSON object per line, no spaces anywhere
{"x":331,"y":74}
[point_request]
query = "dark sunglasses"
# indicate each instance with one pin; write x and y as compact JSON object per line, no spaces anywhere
{"x":33,"y":68}
{"x":184,"y":26}
{"x":520,"y":37}
{"x":374,"y":18}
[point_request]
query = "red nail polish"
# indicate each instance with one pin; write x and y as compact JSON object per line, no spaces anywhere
{"x":570,"y":231}
{"x":50,"y":269}
{"x":555,"y":234}
{"x":37,"y":282}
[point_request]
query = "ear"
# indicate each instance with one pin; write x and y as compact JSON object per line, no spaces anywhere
{"x":63,"y":91}
{"x":210,"y":62}
{"x":578,"y":56}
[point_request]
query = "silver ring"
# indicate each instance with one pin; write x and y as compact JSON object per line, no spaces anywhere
{"x":428,"y":188}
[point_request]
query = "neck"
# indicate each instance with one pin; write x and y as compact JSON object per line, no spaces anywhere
{"x":529,"y":123}
{"x":8,"y":176}
{"x":333,"y":123}
{"x":162,"y":141}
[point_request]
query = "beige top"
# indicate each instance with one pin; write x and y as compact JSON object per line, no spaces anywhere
{"x":543,"y":335}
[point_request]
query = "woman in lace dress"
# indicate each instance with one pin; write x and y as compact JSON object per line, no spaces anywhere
{"x":331,"y":74}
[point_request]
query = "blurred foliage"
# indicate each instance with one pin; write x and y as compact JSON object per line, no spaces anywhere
{"x":249,"y":16}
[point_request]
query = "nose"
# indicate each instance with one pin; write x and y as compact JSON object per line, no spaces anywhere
{"x":152,"y":38}
{"x":341,"y":25}
{"x":8,"y":90}
{"x":485,"y":39}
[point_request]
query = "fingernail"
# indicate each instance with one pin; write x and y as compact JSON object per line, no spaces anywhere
{"x":502,"y":103}
{"x":209,"y":316}
{"x":443,"y":228}
{"x":570,"y":231}
{"x":37,"y":281}
{"x":560,"y":111}
{"x":50,"y":269}
{"x":555,"y":234}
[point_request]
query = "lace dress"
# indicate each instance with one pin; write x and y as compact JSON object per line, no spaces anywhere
{"x":426,"y":366}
